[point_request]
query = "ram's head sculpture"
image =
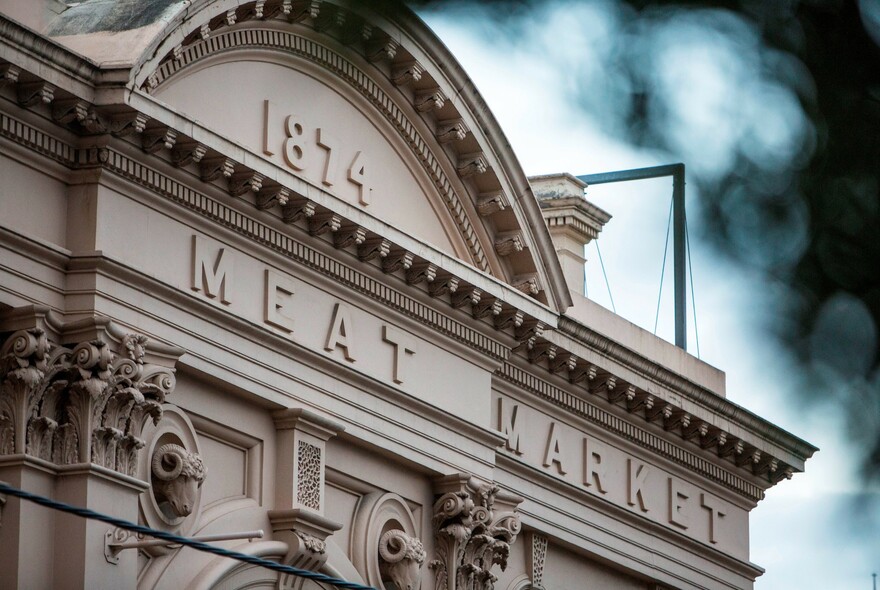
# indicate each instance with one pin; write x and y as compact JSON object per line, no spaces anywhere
{"x":401,"y":558}
{"x":179,"y":476}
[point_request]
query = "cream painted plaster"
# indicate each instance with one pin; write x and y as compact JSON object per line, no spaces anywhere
{"x":395,"y":186}
{"x":594,"y":463}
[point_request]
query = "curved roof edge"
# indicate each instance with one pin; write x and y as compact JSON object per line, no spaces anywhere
{"x":170,"y":22}
{"x":420,"y":31}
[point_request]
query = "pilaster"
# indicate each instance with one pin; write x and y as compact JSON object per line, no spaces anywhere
{"x":74,"y":399}
{"x":298,"y":518}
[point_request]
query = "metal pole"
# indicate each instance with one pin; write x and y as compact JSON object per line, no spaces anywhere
{"x":202,"y":539}
{"x":679,"y":263}
{"x":679,"y":247}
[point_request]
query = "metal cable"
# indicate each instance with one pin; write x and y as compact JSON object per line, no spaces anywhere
{"x":687,"y":241}
{"x":177,"y":540}
{"x":607,"y":284}
{"x":663,"y":266}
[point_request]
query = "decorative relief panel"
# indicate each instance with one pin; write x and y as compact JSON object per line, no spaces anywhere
{"x":173,"y":464}
{"x":308,"y":461}
{"x":297,"y":520}
{"x":536,"y":563}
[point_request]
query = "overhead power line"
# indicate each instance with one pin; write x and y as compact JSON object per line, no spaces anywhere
{"x":178,"y":540}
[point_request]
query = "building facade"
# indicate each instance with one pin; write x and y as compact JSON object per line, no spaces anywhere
{"x":272,"y":265}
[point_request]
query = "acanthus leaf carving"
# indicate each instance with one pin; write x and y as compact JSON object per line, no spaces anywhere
{"x":443,"y":284}
{"x":563,"y":363}
{"x":32,"y":93}
{"x":297,"y":208}
{"x":528,"y":284}
{"x":120,"y":124}
{"x":8,"y":74}
{"x":421,"y":271}
{"x":321,"y":223}
{"x":487,"y":306}
{"x":473,"y":532}
{"x":330,"y":17}
{"x":471,"y":164}
{"x":298,"y":10}
{"x":154,"y":139}
{"x":541,"y":350}
{"x":489,"y":204}
{"x":509,"y":318}
{"x":191,"y":152}
{"x":215,"y":167}
{"x":373,"y":247}
{"x":397,"y":259}
{"x":466,"y":295}
{"x":67,"y":110}
{"x":85,"y":404}
{"x":245,"y":182}
{"x":349,"y":235}
{"x":451,"y":131}
{"x":382,"y":48}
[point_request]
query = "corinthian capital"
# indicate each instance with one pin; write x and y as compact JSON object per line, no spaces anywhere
{"x":83,"y":403}
{"x":474,"y":526}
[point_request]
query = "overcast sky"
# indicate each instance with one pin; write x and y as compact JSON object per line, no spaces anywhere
{"x":808,"y":533}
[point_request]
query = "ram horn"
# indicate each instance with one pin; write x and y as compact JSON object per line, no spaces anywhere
{"x":393,"y":546}
{"x":170,"y":453}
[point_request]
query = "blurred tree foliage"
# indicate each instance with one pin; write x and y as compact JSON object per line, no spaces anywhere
{"x":803,"y":212}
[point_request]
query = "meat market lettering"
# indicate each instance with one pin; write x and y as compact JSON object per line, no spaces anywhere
{"x":610,"y":473}
{"x":213,"y":268}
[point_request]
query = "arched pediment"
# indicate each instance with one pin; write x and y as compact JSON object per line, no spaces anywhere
{"x":439,"y":165}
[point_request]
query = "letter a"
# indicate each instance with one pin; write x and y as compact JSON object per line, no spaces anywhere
{"x":340,"y":332}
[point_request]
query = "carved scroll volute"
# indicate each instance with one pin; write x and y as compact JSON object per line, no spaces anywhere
{"x":474,"y":528}
{"x":400,"y":559}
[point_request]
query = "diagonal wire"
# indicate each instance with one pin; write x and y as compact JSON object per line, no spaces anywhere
{"x":178,"y":540}
{"x":687,"y":241}
{"x":663,"y":266}
{"x":607,"y":284}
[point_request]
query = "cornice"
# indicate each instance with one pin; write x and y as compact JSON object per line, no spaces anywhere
{"x":514,"y":466}
{"x":277,"y":39}
{"x":258,"y":335}
{"x":416,"y":29}
{"x":720,"y":472}
{"x":757,"y":426}
{"x":54,"y":61}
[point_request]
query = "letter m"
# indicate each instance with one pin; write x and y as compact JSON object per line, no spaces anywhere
{"x":507,"y":425}
{"x":212,"y":270}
